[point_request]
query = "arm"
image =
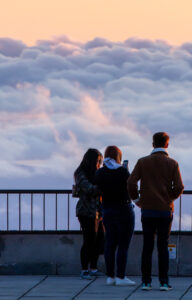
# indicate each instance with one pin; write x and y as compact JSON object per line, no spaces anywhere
{"x":132,"y":185}
{"x":86,"y":186}
{"x":177,"y":184}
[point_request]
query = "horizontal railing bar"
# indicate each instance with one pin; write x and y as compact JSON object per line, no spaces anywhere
{"x":35,"y":191}
{"x":174,"y":232}
{"x":185,"y":192}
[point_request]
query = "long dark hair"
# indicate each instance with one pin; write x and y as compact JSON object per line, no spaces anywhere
{"x":88,"y":163}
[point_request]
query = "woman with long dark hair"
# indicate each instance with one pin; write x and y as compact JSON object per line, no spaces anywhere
{"x":118,"y":215}
{"x":87,"y":211}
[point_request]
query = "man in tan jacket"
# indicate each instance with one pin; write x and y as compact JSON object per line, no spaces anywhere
{"x":160,"y":185}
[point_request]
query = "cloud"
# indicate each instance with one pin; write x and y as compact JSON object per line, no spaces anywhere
{"x":60,"y":97}
{"x":158,"y":45}
{"x":187,"y":47}
{"x":98,"y":42}
{"x":12,"y":48}
{"x":92,"y":112}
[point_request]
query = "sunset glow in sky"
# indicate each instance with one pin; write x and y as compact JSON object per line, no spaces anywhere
{"x":83,"y":20}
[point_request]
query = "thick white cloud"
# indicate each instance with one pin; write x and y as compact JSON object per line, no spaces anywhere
{"x":61,"y":97}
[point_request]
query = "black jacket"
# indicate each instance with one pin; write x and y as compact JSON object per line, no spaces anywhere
{"x":113,"y":186}
{"x":88,"y":203}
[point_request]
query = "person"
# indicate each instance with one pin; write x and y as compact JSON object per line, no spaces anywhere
{"x":160,"y":185}
{"x":87,"y":212}
{"x":118,"y":215}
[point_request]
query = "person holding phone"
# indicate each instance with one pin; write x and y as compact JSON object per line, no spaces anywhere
{"x":118,"y":215}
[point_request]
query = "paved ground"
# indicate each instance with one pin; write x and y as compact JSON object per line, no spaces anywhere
{"x":69,"y":287}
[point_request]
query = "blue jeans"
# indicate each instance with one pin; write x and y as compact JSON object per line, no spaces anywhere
{"x":119,"y":225}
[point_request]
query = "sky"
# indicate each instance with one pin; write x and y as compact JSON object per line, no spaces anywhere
{"x":84,"y":20}
{"x":80,"y":74}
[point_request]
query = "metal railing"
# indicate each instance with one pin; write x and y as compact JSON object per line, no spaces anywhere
{"x":18,"y":196}
{"x":56,"y":212}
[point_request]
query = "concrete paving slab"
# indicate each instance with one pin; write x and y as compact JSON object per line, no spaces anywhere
{"x":180,"y":285}
{"x":99,"y":290}
{"x":188,"y":294}
{"x":154,"y":298}
{"x":58,"y":286}
{"x":46,"y":298}
{"x":72,"y":287}
{"x":12,"y":286}
{"x":9,"y":298}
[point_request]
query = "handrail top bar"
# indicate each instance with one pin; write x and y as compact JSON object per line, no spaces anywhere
{"x":35,"y":191}
{"x":187,"y":192}
{"x":40,"y":191}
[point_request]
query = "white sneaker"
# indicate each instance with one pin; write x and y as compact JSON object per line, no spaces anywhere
{"x":110,"y":281}
{"x":124,"y":282}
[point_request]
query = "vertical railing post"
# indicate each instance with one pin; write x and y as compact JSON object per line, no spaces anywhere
{"x":179,"y":236}
{"x":68,"y":213}
{"x":31,"y":211}
{"x":7,"y":211}
{"x":180,"y":213}
{"x":56,"y":212}
{"x":19,"y":211}
{"x":191,"y":219}
{"x":44,"y":212}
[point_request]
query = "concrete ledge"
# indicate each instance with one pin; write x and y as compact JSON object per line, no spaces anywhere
{"x":28,"y":269}
{"x":50,"y":254}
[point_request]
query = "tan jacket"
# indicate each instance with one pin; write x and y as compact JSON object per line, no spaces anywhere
{"x":160,"y":182}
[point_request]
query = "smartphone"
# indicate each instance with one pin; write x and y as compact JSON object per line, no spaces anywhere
{"x":125,"y":163}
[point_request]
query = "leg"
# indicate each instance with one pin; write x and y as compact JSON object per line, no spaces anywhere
{"x":126,"y":224}
{"x":88,"y":229}
{"x":110,"y":244}
{"x":98,"y":246}
{"x":149,"y":228}
{"x":163,"y":232}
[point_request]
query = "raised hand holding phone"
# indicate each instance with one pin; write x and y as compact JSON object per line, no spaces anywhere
{"x":125,"y":163}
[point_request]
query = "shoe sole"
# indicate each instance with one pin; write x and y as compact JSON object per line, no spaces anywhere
{"x":165,"y":290}
{"x":146,"y":289}
{"x":130,"y":284}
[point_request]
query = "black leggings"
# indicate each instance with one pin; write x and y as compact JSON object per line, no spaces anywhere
{"x":92,"y":242}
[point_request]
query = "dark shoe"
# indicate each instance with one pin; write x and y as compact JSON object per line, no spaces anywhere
{"x":96,"y":273}
{"x":85,"y":275}
{"x":146,"y":286}
{"x":165,"y":287}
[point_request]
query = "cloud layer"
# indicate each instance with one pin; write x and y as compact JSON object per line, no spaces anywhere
{"x":61,"y":97}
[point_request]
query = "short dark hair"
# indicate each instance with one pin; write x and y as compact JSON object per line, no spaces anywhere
{"x":113,"y":152}
{"x":160,"y":139}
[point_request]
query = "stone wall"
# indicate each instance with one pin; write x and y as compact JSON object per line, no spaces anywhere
{"x":58,"y":253}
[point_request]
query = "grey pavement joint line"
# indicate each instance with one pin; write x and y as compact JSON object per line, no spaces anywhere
{"x":133,"y":291}
{"x":84,"y":288}
{"x":29,"y":290}
{"x":187,"y":290}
